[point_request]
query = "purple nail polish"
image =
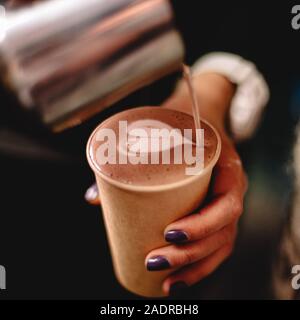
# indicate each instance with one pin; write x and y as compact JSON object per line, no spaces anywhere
{"x":176,"y":236}
{"x":157,"y":263}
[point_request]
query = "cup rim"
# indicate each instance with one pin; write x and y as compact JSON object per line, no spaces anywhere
{"x":152,"y":188}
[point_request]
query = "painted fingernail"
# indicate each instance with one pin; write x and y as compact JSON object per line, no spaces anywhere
{"x":92,"y":193}
{"x":157,"y":263}
{"x":176,"y":236}
{"x":177,"y":288}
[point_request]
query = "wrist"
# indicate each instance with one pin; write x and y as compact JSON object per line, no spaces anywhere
{"x":214,"y":93}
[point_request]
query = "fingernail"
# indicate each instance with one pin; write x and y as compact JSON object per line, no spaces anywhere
{"x":91,"y":193}
{"x":176,"y":236}
{"x":177,"y":288}
{"x":157,"y":263}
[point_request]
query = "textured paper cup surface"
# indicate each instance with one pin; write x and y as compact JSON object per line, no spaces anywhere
{"x":136,"y":217}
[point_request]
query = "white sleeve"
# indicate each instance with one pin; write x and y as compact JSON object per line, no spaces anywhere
{"x":252,"y":92}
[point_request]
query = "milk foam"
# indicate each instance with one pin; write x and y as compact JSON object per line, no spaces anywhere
{"x":140,"y":123}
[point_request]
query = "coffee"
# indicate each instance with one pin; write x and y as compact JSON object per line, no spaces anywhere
{"x":147,"y":118}
{"x":139,"y":201}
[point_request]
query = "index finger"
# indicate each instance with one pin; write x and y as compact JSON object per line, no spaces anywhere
{"x":226,"y":207}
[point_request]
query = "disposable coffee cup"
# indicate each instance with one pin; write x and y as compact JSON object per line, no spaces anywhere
{"x":136,"y":216}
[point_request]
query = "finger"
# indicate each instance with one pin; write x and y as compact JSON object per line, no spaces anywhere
{"x":221,"y":212}
{"x":227,"y":205}
{"x":92,"y":195}
{"x":191,"y":274}
{"x":174,"y":256}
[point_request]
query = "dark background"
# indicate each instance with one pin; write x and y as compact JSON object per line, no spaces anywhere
{"x":53,"y":243}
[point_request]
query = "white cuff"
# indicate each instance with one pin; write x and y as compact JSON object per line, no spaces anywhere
{"x":252,"y":93}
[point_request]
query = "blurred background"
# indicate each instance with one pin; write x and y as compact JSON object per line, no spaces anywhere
{"x":53,"y":244}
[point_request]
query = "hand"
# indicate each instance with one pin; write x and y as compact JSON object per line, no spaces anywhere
{"x":202,"y":241}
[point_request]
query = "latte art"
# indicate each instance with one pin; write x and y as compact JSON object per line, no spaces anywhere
{"x":147,"y":136}
{"x":154,"y":146}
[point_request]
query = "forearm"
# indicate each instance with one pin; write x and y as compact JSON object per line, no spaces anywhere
{"x":214,"y":94}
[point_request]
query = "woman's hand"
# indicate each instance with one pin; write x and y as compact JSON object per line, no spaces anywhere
{"x":200,"y":242}
{"x":203,"y":240}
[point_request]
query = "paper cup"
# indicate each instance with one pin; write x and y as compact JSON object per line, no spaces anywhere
{"x":136,"y":217}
